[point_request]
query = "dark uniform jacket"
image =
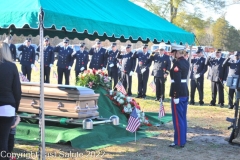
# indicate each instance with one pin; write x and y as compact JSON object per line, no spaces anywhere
{"x":143,"y":61}
{"x":81,"y":60}
{"x":28,"y":55}
{"x":232,"y":64}
{"x":128,"y":62}
{"x":112,"y":58}
{"x":99,"y":59}
{"x":178,"y":72}
{"x":198,"y":67}
{"x":161,"y":65}
{"x":12,"y":48}
{"x":65,"y":58}
{"x":217,"y":71}
{"x":48,"y":55}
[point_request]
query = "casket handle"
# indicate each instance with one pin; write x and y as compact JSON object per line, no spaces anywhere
{"x":60,"y":105}
{"x":34,"y":102}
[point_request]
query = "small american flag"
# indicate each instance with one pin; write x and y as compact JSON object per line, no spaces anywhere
{"x":161,"y":110}
{"x":133,"y":122}
{"x":55,"y":75}
{"x":22,"y":77}
{"x":153,"y":86}
{"x":120,"y":88}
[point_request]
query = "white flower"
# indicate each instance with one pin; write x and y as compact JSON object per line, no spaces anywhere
{"x":125,"y":109}
{"x":109,"y":78}
{"x":121,"y":101}
{"x":129,"y":105}
{"x":137,"y":110}
{"x":115,"y":97}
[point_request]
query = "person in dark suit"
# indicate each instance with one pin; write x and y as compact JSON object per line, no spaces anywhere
{"x":97,"y":56}
{"x":48,"y":55}
{"x":12,"y":47}
{"x":142,"y":70}
{"x":231,"y":62}
{"x":218,"y":75}
{"x":179,"y":98}
{"x":65,"y":61}
{"x":161,"y":68}
{"x":198,"y":69}
{"x":127,"y":68}
{"x":10,"y":96}
{"x":113,"y":64}
{"x":81,"y":57}
{"x":28,"y":58}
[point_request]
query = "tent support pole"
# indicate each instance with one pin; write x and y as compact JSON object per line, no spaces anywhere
{"x":189,"y":60}
{"x":41,"y":108}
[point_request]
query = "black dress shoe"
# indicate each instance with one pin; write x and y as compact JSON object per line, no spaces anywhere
{"x":143,"y":97}
{"x":157,"y":99}
{"x":174,"y":145}
{"x":212,"y":104}
{"x":230,"y":106}
{"x":192,"y":103}
{"x":221,"y":105}
{"x":139,"y":97}
{"x":201,"y":103}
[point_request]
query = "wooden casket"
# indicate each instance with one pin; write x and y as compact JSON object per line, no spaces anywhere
{"x":60,"y":100}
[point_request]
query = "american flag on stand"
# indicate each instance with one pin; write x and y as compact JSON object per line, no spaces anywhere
{"x":133,"y":122}
{"x":153,"y":86}
{"x":55,"y":75}
{"x":22,"y":77}
{"x":120,"y":88}
{"x":161,"y":110}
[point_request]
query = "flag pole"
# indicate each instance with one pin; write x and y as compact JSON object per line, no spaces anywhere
{"x":135,"y":136}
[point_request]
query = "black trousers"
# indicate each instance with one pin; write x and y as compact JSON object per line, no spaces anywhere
{"x":160,"y":87}
{"x":47,"y":70}
{"x":230,"y":96}
{"x":113,"y":73}
{"x":5,"y":127}
{"x":217,"y":87}
{"x":66,"y":73}
{"x":127,"y":82}
{"x":197,"y":84}
{"x":142,"y":83}
{"x":26,"y":71}
{"x":10,"y":143}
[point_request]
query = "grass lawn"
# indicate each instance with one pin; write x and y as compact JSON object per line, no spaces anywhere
{"x":207,"y":129}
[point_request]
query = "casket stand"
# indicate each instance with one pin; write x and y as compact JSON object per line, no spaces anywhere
{"x":74,"y":103}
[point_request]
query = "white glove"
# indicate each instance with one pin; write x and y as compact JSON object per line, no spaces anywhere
{"x":50,"y":65}
{"x":143,"y":70}
{"x":90,"y":57}
{"x":111,"y":65}
{"x":232,"y":57}
{"x":117,"y":64}
{"x":32,"y":65}
{"x":197,"y":76}
{"x":176,"y":100}
{"x":103,"y":68}
{"x":82,"y":68}
{"x":224,"y":82}
{"x":131,"y":73}
{"x":74,"y":52}
{"x":69,"y":67}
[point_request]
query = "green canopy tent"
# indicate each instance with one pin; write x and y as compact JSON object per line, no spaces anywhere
{"x":104,"y":19}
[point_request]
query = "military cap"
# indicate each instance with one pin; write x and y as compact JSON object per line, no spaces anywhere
{"x":114,"y":44}
{"x":237,"y":53}
{"x":82,"y":44}
{"x":219,"y":50}
{"x":28,"y":39}
{"x":129,"y":46}
{"x":98,"y":42}
{"x":173,"y":50}
{"x":145,"y":46}
{"x":65,"y":40}
{"x":199,"y":50}
{"x":46,"y":39}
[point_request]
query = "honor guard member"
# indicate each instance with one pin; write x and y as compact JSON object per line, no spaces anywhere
{"x":81,"y":57}
{"x":12,"y":47}
{"x":97,"y":57}
{"x":142,"y":70}
{"x":218,"y":75}
{"x":28,"y":58}
{"x":160,"y":71}
{"x":198,"y":68}
{"x":113,"y":64}
{"x":231,"y":62}
{"x":48,"y":56}
{"x":65,"y":61}
{"x":179,"y":98}
{"x":127,"y":68}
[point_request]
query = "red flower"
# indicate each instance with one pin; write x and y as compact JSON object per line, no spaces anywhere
{"x":106,"y":74}
{"x":82,"y":62}
{"x":88,"y":71}
{"x":123,"y":111}
{"x":94,"y":71}
{"x":164,"y":69}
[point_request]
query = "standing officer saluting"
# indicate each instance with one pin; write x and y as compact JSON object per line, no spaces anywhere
{"x":218,"y":75}
{"x":81,"y":57}
{"x":28,"y":58}
{"x":113,"y":64}
{"x":198,"y":69}
{"x":142,"y":70}
{"x":97,"y":57}
{"x":12,"y":47}
{"x":65,"y":61}
{"x":127,"y":68}
{"x":48,"y":59}
{"x":232,"y":62}
{"x":161,"y":68}
{"x":179,"y":93}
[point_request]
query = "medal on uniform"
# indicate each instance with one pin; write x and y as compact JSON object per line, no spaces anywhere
{"x":176,"y":69}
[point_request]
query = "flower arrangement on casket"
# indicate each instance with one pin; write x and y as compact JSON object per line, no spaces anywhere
{"x":127,"y":104}
{"x":93,"y":79}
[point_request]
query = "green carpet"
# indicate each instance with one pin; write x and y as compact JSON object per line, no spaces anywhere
{"x":102,"y":135}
